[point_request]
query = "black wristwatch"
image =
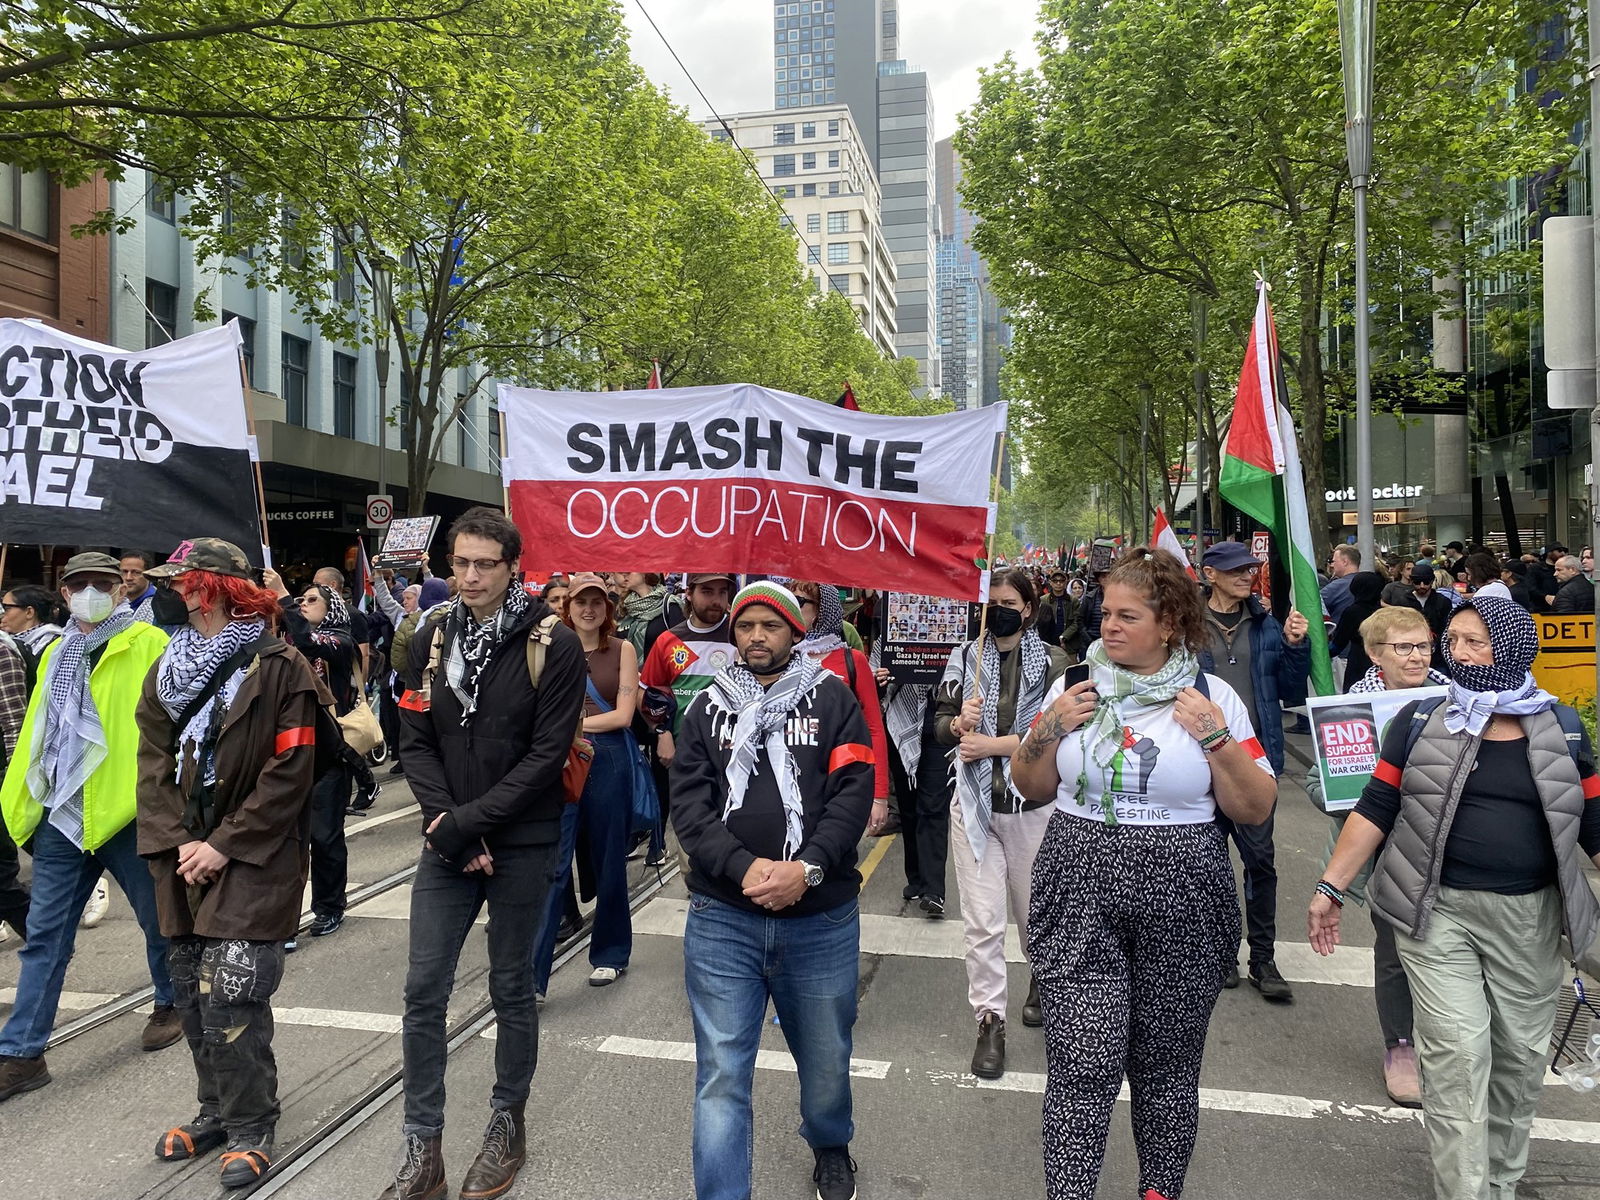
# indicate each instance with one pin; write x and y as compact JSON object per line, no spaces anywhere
{"x":814,"y":873}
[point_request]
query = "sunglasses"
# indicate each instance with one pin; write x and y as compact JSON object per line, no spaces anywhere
{"x":100,"y":585}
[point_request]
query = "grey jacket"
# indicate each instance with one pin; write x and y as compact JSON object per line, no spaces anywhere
{"x":1406,"y":882}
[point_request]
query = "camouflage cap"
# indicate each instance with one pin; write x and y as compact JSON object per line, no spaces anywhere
{"x":205,"y":554}
{"x":91,"y":562}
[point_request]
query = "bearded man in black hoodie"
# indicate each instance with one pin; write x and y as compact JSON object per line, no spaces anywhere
{"x":484,"y":745}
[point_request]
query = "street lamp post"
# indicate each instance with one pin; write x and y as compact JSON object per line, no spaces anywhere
{"x":383,"y":313}
{"x":1356,"y":44}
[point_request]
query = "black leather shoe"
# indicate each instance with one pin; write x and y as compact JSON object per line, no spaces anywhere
{"x":1267,"y":980}
{"x":505,"y":1145}
{"x":989,"y":1059}
{"x":1231,"y":979}
{"x":421,"y":1175}
{"x":1032,"y":1012}
{"x":933,"y":906}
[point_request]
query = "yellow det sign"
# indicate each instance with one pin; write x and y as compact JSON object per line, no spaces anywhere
{"x":1565,"y":666}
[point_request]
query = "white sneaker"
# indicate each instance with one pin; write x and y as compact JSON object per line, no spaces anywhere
{"x":99,"y":904}
{"x":603,"y":976}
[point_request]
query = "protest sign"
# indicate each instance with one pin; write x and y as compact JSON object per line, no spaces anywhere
{"x":743,"y":479}
{"x":117,"y":447}
{"x":406,"y":544}
{"x":1102,"y":555}
{"x":1565,"y":666}
{"x":1347,"y":734}
{"x":919,"y":633}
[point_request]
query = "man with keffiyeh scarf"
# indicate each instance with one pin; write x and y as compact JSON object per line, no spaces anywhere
{"x":71,"y":788}
{"x":484,"y":747}
{"x":772,"y":787}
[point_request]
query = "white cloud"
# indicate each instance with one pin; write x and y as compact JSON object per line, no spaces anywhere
{"x":726,"y":45}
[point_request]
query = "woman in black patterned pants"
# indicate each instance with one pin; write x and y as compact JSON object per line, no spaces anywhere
{"x":1133,"y":919}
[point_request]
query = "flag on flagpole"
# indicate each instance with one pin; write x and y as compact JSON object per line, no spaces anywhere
{"x":1261,"y":475}
{"x":655,"y":374}
{"x":1163,"y":538}
{"x":847,"y":399}
{"x":363,"y":588}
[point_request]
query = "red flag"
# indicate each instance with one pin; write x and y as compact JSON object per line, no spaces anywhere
{"x":1162,"y":538}
{"x":655,"y":374}
{"x":847,"y":399}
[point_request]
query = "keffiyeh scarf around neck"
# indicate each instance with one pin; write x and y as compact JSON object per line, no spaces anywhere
{"x":1119,"y":690}
{"x":187,"y":665}
{"x":974,"y":780}
{"x":759,"y":715}
{"x":473,"y":642}
{"x":70,"y":743}
{"x":1507,"y":687}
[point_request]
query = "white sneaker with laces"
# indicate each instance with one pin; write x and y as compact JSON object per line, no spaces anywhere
{"x":99,"y":904}
{"x":602,"y":976}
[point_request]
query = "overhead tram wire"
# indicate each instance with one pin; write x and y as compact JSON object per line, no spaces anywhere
{"x":812,"y":254}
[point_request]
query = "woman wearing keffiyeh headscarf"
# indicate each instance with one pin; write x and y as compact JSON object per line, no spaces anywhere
{"x":1133,"y":920}
{"x":990,"y":694}
{"x":1486,"y":804}
{"x":317,"y":623}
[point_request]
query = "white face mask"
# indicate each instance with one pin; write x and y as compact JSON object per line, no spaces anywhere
{"x":91,"y":605}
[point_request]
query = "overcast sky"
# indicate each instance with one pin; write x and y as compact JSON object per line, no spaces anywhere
{"x":727,"y":47}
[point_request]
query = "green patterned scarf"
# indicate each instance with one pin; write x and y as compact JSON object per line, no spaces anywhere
{"x":1120,"y":689}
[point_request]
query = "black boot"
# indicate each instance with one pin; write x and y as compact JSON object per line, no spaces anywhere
{"x":247,"y":1157}
{"x":421,"y":1176}
{"x":989,"y":1059}
{"x":199,"y":1136}
{"x":505,"y":1145}
{"x":1032,"y":1012}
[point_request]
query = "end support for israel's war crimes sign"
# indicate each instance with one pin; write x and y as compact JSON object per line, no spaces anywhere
{"x":1347,"y":736}
{"x":140,"y":448}
{"x":744,"y":479}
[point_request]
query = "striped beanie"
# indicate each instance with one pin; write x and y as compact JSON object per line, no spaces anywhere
{"x":776,"y":597}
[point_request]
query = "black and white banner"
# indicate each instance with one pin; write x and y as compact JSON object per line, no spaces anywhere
{"x":127,"y":448}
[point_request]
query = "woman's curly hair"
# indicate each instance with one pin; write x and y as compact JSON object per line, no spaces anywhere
{"x":1166,"y":587}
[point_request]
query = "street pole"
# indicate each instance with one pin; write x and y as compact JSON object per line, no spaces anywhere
{"x":1594,"y":413}
{"x":1144,"y":457}
{"x":383,"y":308}
{"x":1356,"y":43}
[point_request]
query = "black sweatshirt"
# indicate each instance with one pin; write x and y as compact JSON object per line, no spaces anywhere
{"x":828,"y":737}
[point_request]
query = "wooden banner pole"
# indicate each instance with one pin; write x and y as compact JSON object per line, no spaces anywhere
{"x":255,"y":459}
{"x":988,"y":561}
{"x":505,"y":488}
{"x":5,"y":549}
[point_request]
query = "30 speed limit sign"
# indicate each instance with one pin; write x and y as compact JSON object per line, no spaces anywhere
{"x":380,"y":511}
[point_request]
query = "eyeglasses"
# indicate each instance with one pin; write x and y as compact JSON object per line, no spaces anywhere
{"x":98,"y":584}
{"x":481,"y":565}
{"x":1471,"y":643}
{"x":1407,"y":649}
{"x":1247,"y":572}
{"x":9,"y":606}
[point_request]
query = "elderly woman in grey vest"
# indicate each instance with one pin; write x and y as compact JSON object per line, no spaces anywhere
{"x":1488,"y":806}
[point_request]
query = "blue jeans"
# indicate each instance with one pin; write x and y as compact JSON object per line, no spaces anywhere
{"x":63,"y":880}
{"x":733,"y":961}
{"x":605,"y":815}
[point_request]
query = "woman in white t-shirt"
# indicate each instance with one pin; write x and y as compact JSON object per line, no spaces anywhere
{"x":1134,"y":919}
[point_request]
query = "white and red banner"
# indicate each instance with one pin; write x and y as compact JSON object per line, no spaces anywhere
{"x":741,"y":478}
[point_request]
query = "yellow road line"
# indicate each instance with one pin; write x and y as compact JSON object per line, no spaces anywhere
{"x":874,"y":857}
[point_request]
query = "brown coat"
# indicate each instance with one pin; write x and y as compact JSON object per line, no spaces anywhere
{"x":264,"y":765}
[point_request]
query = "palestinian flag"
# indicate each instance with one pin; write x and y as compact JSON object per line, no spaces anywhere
{"x":1261,"y":476}
{"x":101,"y":445}
{"x":655,"y":374}
{"x":847,"y":399}
{"x":1163,"y":538}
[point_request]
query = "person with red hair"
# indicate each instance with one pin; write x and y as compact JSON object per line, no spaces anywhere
{"x":227,"y":755}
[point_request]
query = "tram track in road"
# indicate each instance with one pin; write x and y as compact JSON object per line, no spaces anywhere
{"x":105,"y":1013}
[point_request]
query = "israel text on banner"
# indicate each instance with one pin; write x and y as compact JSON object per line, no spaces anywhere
{"x":741,"y":478}
{"x":117,"y":447}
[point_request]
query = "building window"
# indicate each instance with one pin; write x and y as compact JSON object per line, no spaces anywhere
{"x":808,"y":189}
{"x":493,"y":426}
{"x":833,"y":159}
{"x":838,"y":253}
{"x":296,"y":356}
{"x":833,"y":188}
{"x":161,"y":313}
{"x":783,"y":193}
{"x":840,"y":283}
{"x":344,"y":268}
{"x":833,"y":129}
{"x":160,"y":202}
{"x":808,"y":162}
{"x":344,"y":396}
{"x":294,"y":250}
{"x":813,"y":222}
{"x":838,"y":222}
{"x":783,"y":164}
{"x":463,"y":448}
{"x":809,"y":129}
{"x":25,"y":201}
{"x":247,"y":344}
{"x":783,"y":135}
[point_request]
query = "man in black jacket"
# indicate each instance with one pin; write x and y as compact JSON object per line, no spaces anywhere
{"x":771,"y":790}
{"x":1574,"y":593}
{"x":484,"y":746}
{"x":1058,"y":623}
{"x":1435,"y":606}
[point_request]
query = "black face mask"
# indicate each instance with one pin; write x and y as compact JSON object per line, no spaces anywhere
{"x":1004,"y":622}
{"x":168,"y":608}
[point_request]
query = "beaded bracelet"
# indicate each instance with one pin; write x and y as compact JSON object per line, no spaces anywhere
{"x":1324,"y":888}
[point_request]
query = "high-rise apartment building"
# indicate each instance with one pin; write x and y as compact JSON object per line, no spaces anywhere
{"x":972,"y":332}
{"x":815,"y":164}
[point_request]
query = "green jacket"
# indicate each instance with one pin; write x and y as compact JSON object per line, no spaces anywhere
{"x":110,"y":796}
